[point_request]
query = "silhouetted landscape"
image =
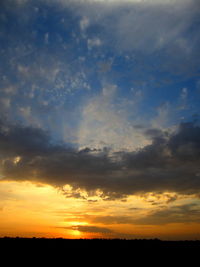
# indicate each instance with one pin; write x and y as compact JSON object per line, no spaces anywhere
{"x":98,"y":251}
{"x":58,"y":243}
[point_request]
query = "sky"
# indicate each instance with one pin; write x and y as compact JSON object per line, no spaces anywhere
{"x":99,"y":119}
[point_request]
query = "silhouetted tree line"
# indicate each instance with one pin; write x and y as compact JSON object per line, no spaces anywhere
{"x":117,"y":250}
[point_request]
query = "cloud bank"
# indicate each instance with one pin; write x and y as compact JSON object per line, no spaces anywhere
{"x":170,"y":163}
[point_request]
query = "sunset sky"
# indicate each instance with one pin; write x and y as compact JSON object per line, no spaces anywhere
{"x":99,"y":118}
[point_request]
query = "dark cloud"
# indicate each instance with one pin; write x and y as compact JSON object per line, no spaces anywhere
{"x":166,"y":214}
{"x":112,"y":219}
{"x":92,"y":229}
{"x":41,"y":159}
{"x":177,"y":214}
{"x":170,"y":163}
{"x":186,"y":213}
{"x":155,"y":133}
{"x":185,"y":144}
{"x":89,"y":229}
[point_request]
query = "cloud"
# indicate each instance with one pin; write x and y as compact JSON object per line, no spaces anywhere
{"x":177,"y":214}
{"x":159,"y":31}
{"x":84,"y":23}
{"x":167,"y":213}
{"x":95,"y":42}
{"x":105,"y":121}
{"x":111,"y":219}
{"x":92,"y":229}
{"x":5,"y":102}
{"x":169,"y":164}
{"x":140,"y":26}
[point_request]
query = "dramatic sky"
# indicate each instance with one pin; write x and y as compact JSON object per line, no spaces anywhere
{"x":99,"y":118}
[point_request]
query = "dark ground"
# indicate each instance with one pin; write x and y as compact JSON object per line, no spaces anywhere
{"x":115,"y":251}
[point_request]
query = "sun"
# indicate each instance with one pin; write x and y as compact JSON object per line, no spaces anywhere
{"x":76,"y":233}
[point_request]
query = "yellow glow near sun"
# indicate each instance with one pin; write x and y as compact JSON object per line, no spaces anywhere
{"x":76,"y":233}
{"x":16,"y":160}
{"x":76,"y":223}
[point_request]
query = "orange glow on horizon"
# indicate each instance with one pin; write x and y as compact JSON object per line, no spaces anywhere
{"x":35,"y":210}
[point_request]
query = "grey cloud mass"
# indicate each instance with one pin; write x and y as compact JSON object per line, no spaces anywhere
{"x":177,"y":214}
{"x":92,"y":229}
{"x":170,"y":163}
{"x":89,"y":229}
